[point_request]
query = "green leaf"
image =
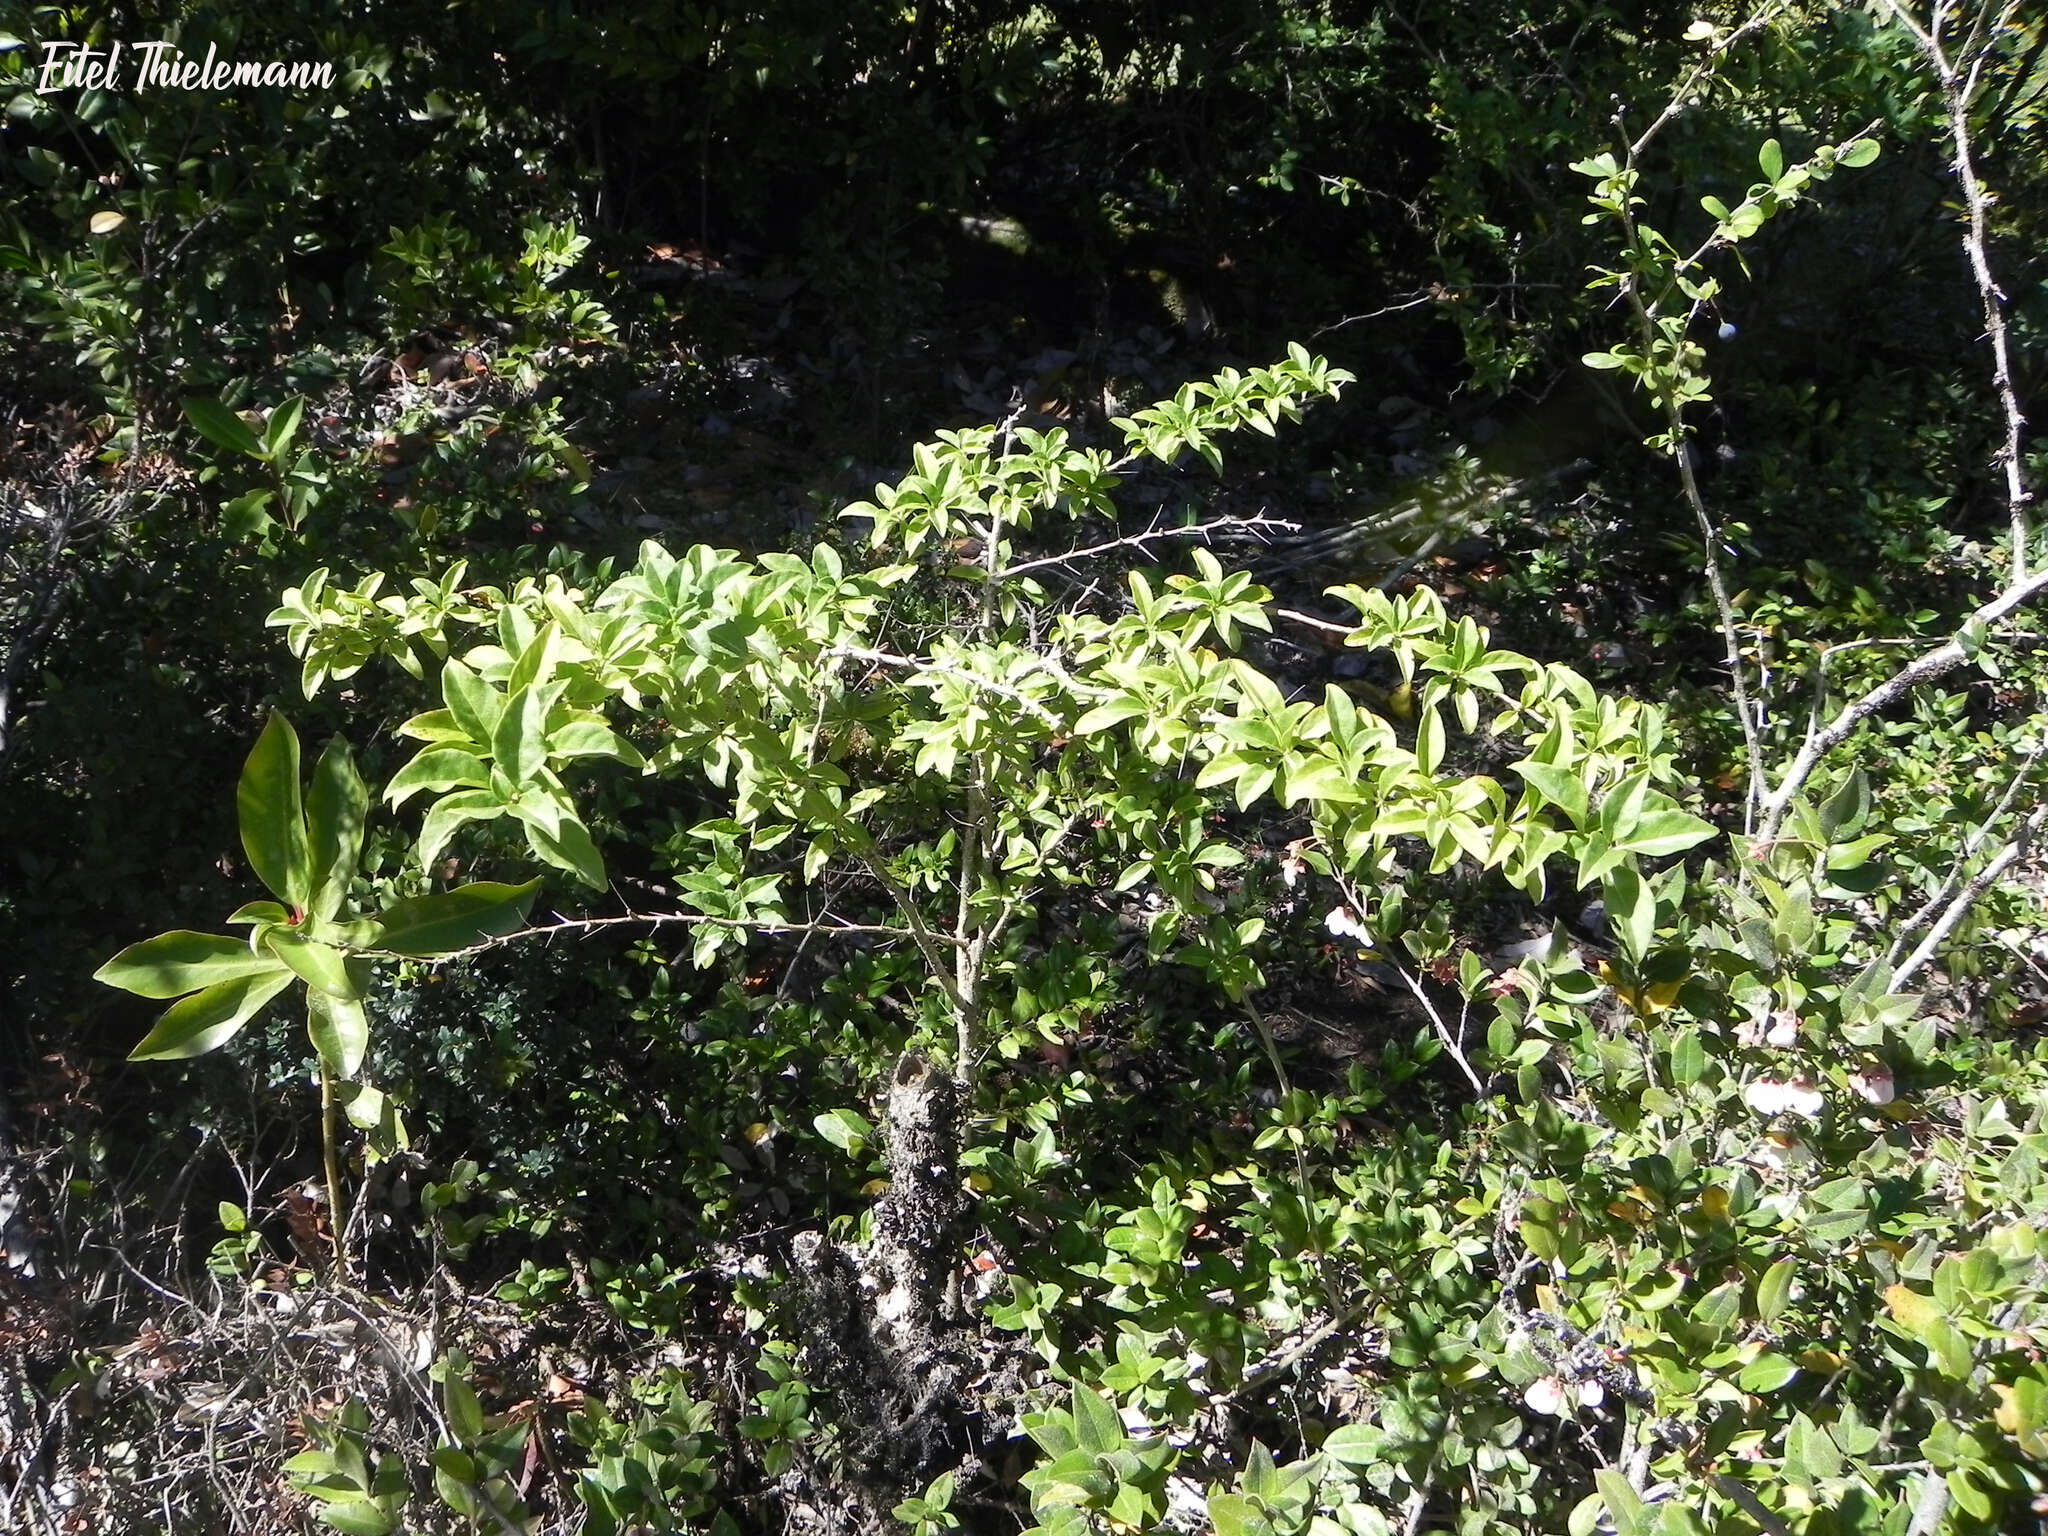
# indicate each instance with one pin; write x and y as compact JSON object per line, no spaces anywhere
{"x":474,"y":703}
{"x":427,"y":927}
{"x":1665,"y":831}
{"x":1771,"y":160}
{"x":359,"y":1517}
{"x":447,"y":815}
{"x":283,"y":426}
{"x":221,"y":426}
{"x":1858,"y":153}
{"x":1766,"y":1374}
{"x":260,"y":913}
{"x":273,"y":823}
{"x":437,"y":769}
{"x":181,"y":961}
{"x":592,"y":738}
{"x":365,"y":1106}
{"x":570,"y":848}
{"x":1096,"y":1426}
{"x":1688,"y":1058}
{"x":1103,"y":716}
{"x":320,"y":966}
{"x":847,"y":1131}
{"x":207,"y":1020}
{"x":459,"y":1402}
{"x":520,"y":742}
{"x":1560,"y":787}
{"x":1621,"y":1501}
{"x":1775,"y":1289}
{"x":339,"y":1030}
{"x":1631,"y":910}
{"x":335,"y":809}
{"x":1234,"y":1515}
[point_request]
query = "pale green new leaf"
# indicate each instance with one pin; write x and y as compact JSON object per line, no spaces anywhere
{"x":436,"y":769}
{"x":473,"y":703}
{"x":520,"y":742}
{"x":449,"y":814}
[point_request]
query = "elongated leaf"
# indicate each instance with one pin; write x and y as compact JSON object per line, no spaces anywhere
{"x":221,"y":426}
{"x":1666,"y":831}
{"x":430,"y":926}
{"x":335,"y":809}
{"x":1557,"y":785}
{"x":273,"y":821}
{"x":437,"y":768}
{"x":320,"y":966}
{"x":181,"y":961}
{"x":570,"y":848}
{"x":1631,"y":910}
{"x":207,"y":1020}
{"x":451,"y":813}
{"x":283,"y":425}
{"x":1775,"y":1288}
{"x":592,"y":738}
{"x":474,"y":703}
{"x":520,"y":743}
{"x":339,"y":1030}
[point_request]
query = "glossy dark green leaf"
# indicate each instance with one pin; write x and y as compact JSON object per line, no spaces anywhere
{"x":181,"y":961}
{"x":320,"y":966}
{"x":427,"y":927}
{"x":273,"y":821}
{"x":221,"y":426}
{"x":336,"y":806}
{"x":207,"y":1020}
{"x":339,"y":1030}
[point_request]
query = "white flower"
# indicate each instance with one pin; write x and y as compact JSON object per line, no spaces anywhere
{"x":1779,"y":1031}
{"x":1591,"y":1394}
{"x":1344,"y":923}
{"x":1769,"y":1096}
{"x":1874,"y":1084}
{"x":1545,"y":1395}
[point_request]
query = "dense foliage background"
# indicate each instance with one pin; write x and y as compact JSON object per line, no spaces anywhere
{"x":1294,"y":1158}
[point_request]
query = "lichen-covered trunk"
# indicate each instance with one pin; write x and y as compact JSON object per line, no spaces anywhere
{"x":884,"y":1331}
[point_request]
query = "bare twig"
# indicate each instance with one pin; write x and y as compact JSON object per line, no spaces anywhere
{"x":1939,"y":662}
{"x":1683,"y":96}
{"x":1139,"y":540}
{"x":583,"y":925}
{"x":1936,"y":903}
{"x":1969,"y":896}
{"x":1958,"y":88}
{"x":981,"y":680}
{"x":1443,"y":1031}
